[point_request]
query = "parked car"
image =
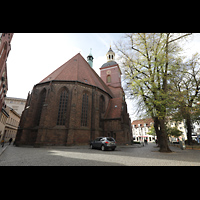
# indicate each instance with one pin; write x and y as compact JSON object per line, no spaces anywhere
{"x":103,"y":143}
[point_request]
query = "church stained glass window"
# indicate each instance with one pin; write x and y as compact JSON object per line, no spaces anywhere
{"x":84,"y":113}
{"x":62,"y":111}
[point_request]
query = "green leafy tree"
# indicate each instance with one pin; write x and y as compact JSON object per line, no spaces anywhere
{"x":185,"y":93}
{"x":152,"y":131}
{"x":173,"y":131}
{"x":148,"y":60}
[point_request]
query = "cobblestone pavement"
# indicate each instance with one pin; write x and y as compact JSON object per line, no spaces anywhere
{"x":132,"y":155}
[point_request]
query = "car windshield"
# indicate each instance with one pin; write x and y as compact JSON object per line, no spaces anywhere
{"x":110,"y":139}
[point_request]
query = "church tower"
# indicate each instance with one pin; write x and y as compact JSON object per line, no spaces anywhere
{"x":110,"y":71}
{"x":90,"y":59}
{"x":110,"y":55}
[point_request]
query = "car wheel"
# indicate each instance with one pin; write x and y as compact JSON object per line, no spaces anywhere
{"x":91,"y":146}
{"x":102,"y":148}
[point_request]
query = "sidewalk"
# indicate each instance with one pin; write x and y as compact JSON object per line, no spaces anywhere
{"x":2,"y":149}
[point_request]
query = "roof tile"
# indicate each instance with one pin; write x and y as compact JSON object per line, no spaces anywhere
{"x":114,"y":108}
{"x":77,"y":69}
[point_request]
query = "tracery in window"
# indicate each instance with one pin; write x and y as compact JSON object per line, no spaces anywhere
{"x":62,"y":110}
{"x":84,"y":114}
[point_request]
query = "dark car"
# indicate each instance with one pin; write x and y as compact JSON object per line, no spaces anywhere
{"x":103,"y":143}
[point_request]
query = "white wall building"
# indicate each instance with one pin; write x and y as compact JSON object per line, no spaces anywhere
{"x":140,"y":128}
{"x":181,"y":127}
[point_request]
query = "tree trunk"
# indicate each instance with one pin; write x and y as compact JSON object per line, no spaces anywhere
{"x":163,"y":137}
{"x":156,"y":125}
{"x":162,"y":133}
{"x":189,"y":129}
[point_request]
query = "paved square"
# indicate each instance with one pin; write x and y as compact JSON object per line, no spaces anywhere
{"x":132,"y":155}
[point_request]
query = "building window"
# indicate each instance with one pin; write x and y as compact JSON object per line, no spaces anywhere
{"x":84,"y":110}
{"x":108,"y":80}
{"x":62,"y":111}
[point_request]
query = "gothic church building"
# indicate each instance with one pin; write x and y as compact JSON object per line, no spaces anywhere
{"x":73,"y":105}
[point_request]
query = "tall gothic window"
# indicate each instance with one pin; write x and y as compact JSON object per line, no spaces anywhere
{"x":62,"y":111}
{"x":84,"y":110}
{"x":101,"y":110}
{"x":40,"y":106}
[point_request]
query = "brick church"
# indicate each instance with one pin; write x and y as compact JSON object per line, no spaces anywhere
{"x":73,"y":105}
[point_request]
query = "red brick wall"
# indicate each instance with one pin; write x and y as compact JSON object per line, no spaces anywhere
{"x":72,"y":133}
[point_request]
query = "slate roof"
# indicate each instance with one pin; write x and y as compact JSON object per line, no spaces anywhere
{"x":78,"y":69}
{"x":109,"y":63}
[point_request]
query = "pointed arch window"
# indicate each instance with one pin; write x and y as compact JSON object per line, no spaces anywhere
{"x":101,"y":110}
{"x":84,"y":114}
{"x":62,"y":111}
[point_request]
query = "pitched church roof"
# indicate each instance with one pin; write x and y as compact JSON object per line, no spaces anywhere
{"x":77,"y":69}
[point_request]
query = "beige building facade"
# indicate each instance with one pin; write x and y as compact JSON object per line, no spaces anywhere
{"x":4,"y":114}
{"x":11,"y":125}
{"x":17,"y":104}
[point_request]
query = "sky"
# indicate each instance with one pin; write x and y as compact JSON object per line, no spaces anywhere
{"x":34,"y":56}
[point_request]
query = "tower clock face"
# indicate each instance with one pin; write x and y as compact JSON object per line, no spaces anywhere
{"x":108,"y":72}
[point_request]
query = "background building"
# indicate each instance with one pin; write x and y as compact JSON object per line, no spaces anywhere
{"x":140,"y":128}
{"x":5,"y":47}
{"x":181,"y":127}
{"x":17,"y":104}
{"x":11,"y":125}
{"x":4,"y":115}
